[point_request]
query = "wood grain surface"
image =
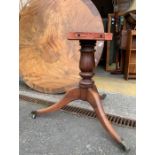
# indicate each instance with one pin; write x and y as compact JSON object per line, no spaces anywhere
{"x":49,"y":62}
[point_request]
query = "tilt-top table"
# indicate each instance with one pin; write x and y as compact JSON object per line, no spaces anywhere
{"x":87,"y":90}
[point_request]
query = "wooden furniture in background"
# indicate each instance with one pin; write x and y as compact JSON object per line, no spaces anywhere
{"x":111,"y":50}
{"x":86,"y":90}
{"x":107,"y":67}
{"x":48,"y":61}
{"x":130,"y":58}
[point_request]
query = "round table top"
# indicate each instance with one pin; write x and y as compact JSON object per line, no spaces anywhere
{"x":49,"y":62}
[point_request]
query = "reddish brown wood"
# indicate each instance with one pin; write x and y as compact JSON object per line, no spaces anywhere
{"x":72,"y":95}
{"x":130,"y":57}
{"x":94,"y":99}
{"x":102,"y":96}
{"x":89,"y":36}
{"x":87,"y":90}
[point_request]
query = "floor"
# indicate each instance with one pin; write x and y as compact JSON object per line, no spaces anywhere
{"x":62,"y":133}
{"x":114,"y":83}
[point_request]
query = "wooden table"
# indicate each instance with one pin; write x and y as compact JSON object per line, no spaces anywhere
{"x":87,"y":90}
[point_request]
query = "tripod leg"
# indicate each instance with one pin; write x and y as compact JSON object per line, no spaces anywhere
{"x":102,"y":96}
{"x":72,"y":95}
{"x":94,"y":99}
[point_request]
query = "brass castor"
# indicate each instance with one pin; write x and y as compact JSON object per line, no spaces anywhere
{"x":33,"y":114}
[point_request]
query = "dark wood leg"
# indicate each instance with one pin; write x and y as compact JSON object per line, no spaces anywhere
{"x":92,"y":96}
{"x":102,"y":96}
{"x":94,"y":99}
{"x":72,"y":95}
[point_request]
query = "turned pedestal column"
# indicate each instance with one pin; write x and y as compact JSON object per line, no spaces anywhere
{"x":87,"y":90}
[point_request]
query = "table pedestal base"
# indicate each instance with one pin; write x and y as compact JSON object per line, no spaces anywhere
{"x":91,"y":96}
{"x":87,"y":90}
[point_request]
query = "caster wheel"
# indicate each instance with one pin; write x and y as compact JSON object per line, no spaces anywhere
{"x":103,"y":96}
{"x":124,"y":146}
{"x":33,"y":114}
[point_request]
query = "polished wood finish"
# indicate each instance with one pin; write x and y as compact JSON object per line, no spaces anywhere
{"x":130,"y":58}
{"x":48,"y":61}
{"x":89,"y":36}
{"x":87,"y":90}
